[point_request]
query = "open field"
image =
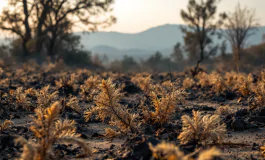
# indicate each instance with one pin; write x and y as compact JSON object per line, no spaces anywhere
{"x":121,"y":116}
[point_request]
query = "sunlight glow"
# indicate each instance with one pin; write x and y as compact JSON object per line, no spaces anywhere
{"x":138,"y":15}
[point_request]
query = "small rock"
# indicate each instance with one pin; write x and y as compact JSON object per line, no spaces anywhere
{"x":230,"y":95}
{"x":131,"y":88}
{"x":96,"y":135}
{"x":237,"y":124}
{"x":262,"y":112}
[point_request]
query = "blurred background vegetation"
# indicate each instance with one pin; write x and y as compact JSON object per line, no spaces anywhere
{"x":43,"y":30}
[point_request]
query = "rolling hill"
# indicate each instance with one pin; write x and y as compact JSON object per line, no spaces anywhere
{"x":142,"y":44}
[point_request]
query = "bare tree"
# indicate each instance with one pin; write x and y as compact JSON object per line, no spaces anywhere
{"x":45,"y":21}
{"x":200,"y":17}
{"x":240,"y":25}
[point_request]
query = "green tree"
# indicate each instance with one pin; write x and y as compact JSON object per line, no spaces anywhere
{"x":177,"y":54}
{"x":191,"y":46}
{"x":128,"y":63}
{"x":223,"y":48}
{"x":200,"y":18}
{"x":39,"y":24}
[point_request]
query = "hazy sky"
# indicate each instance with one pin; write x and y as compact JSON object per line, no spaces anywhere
{"x":138,"y":15}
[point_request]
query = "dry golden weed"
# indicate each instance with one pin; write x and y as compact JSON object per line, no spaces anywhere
{"x":143,"y":82}
{"x":219,"y":85}
{"x":168,"y":151}
{"x":262,"y":148}
{"x":108,"y":106}
{"x":245,"y":84}
{"x":165,"y":99}
{"x":45,"y":99}
{"x":224,"y":110}
{"x":89,"y":88}
{"x":6,"y":125}
{"x":204,"y":79}
{"x":202,"y":129}
{"x":21,"y":99}
{"x":259,"y":98}
{"x":48,"y":130}
{"x":110,"y":133}
{"x":188,"y":83}
{"x":31,"y":91}
{"x":66,"y":81}
{"x":210,"y":154}
{"x":73,"y":103}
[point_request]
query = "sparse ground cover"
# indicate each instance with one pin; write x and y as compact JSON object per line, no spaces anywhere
{"x":58,"y":112}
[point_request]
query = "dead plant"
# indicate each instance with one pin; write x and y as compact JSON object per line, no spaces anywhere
{"x":108,"y":106}
{"x":202,"y":129}
{"x":6,"y":125}
{"x":48,"y":130}
{"x":168,"y":151}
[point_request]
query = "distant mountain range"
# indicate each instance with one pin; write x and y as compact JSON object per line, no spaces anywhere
{"x":141,"y":45}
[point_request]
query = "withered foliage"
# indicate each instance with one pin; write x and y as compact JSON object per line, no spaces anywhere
{"x":224,"y":110}
{"x":144,"y":83}
{"x":202,"y":129}
{"x":65,"y":81}
{"x":168,"y":151}
{"x":110,"y":133}
{"x":45,"y":98}
{"x":5,"y":125}
{"x":48,"y":130}
{"x":259,"y":98}
{"x":89,"y":88}
{"x":73,"y":103}
{"x":21,"y":99}
{"x":188,"y":83}
{"x":108,"y":106}
{"x":262,"y":148}
{"x":165,"y":99}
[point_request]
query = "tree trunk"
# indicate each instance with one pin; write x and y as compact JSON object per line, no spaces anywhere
{"x":27,"y":36}
{"x":52,"y":45}
{"x":195,"y":71}
{"x":39,"y":32}
{"x":25,"y":49}
{"x":237,"y":57}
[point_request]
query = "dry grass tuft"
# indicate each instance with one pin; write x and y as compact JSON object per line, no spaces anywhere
{"x":45,"y":99}
{"x":73,"y":103}
{"x":89,"y":88}
{"x":110,"y":133}
{"x":143,"y":82}
{"x":202,"y":129}
{"x":108,"y":106}
{"x":224,"y":110}
{"x":165,"y":99}
{"x":48,"y":130}
{"x":245,"y":84}
{"x":262,"y":148}
{"x":21,"y":99}
{"x":6,"y":125}
{"x":167,"y":151}
{"x":188,"y":83}
{"x":210,"y":154}
{"x":259,"y":90}
{"x":66,"y":81}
